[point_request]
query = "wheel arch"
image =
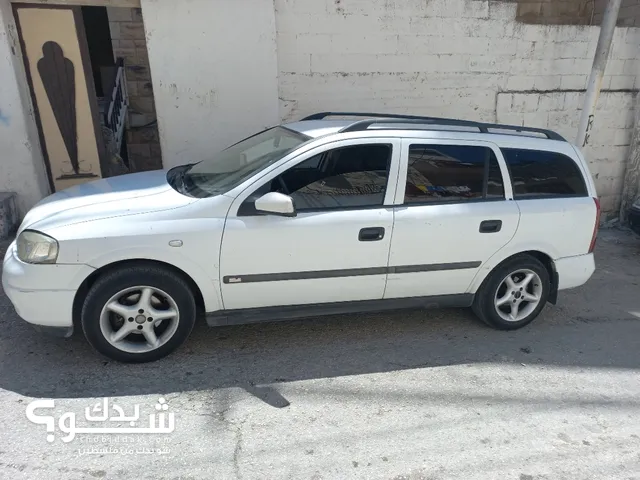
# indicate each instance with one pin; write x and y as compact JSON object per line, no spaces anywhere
{"x":539,"y":255}
{"x":91,"y":279}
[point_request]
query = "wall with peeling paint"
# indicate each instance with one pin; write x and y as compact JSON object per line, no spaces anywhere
{"x":457,"y":58}
{"x":225,"y":69}
{"x":214,"y":72}
{"x":21,"y":163}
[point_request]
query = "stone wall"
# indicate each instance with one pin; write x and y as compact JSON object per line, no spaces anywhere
{"x":457,"y":58}
{"x":555,"y":12}
{"x":609,"y":140}
{"x":629,"y":13}
{"x":574,"y":12}
{"x":128,"y":37}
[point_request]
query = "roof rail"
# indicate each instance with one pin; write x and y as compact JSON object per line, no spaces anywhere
{"x":417,"y":120}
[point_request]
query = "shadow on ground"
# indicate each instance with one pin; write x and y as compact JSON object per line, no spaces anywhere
{"x":597,"y":325}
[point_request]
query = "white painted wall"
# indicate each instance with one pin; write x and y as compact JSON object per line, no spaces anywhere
{"x":214,"y":70}
{"x":21,"y":162}
{"x":453,"y":58}
{"x":223,"y":69}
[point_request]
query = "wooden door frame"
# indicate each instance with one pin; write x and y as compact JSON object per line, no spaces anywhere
{"x":91,"y":90}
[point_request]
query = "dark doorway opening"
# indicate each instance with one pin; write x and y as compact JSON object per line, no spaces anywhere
{"x":104,"y":68}
{"x":96,"y":26}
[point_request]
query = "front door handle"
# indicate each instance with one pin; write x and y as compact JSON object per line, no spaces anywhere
{"x":372,"y":234}
{"x":490,"y":226}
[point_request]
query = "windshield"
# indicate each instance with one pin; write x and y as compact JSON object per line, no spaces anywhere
{"x":239,"y":162}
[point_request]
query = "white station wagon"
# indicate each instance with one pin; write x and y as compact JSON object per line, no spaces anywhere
{"x":320,"y":216}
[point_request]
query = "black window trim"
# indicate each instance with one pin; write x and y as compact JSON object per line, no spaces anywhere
{"x":249,"y":205}
{"x":485,"y":182}
{"x":553,"y":196}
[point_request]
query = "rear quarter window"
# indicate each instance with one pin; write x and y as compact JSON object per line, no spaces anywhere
{"x":541,"y":174}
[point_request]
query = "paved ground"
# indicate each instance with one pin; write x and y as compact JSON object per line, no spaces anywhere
{"x":413,"y":395}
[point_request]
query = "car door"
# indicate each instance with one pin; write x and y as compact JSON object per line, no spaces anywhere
{"x":335,"y":249}
{"x":454,"y":210}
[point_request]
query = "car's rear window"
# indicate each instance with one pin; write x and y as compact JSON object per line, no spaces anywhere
{"x":541,"y":174}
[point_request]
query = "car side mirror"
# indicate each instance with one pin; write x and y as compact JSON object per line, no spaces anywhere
{"x":276,"y":204}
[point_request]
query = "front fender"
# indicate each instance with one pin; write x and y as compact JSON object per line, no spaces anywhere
{"x":210,"y":287}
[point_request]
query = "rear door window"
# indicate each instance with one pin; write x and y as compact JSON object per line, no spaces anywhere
{"x":540,"y":174}
{"x":452,"y":173}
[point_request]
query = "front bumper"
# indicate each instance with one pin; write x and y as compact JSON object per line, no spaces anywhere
{"x":43,"y":294}
{"x":634,"y":219}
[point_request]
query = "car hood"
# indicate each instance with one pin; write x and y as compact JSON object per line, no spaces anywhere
{"x":115,"y":196}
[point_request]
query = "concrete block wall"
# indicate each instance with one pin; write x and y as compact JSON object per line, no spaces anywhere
{"x":129,"y":42}
{"x":455,"y":58}
{"x":555,"y":12}
{"x":608,"y":142}
{"x":629,"y":13}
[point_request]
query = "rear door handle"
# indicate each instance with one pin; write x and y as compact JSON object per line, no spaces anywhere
{"x":490,"y":226}
{"x":372,"y":234}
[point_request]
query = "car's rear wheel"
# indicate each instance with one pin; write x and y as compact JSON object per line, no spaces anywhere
{"x":138,"y":313}
{"x":514,"y":294}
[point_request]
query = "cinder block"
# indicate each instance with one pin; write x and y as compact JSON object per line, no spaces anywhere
{"x":537,"y":119}
{"x":524,"y":48}
{"x":489,"y":64}
{"x":571,"y":50}
{"x":606,"y":82}
{"x":573,"y":82}
{"x":620,"y":102}
{"x":520,"y":82}
{"x":525,"y":102}
{"x":8,"y":214}
{"x":622,"y":137}
{"x":615,"y":67}
{"x":558,"y":120}
{"x":547,"y":82}
{"x":624,"y":50}
{"x":619,"y":82}
{"x":569,"y":66}
{"x":573,"y":100}
{"x":631,"y":67}
{"x":131,"y":30}
{"x":488,"y":28}
{"x":551,"y":102}
{"x":457,"y":9}
{"x":430,"y":45}
{"x":118,"y":14}
{"x":502,"y":46}
{"x":365,"y":43}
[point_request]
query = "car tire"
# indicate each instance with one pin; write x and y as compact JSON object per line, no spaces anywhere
{"x":130,"y":298}
{"x":509,"y":305}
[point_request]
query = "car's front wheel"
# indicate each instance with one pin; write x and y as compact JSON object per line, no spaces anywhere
{"x":514,"y":294}
{"x":138,"y":313}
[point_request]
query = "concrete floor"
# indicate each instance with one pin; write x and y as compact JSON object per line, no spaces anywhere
{"x":411,"y":395}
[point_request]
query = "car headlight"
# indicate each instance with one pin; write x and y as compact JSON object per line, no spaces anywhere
{"x":36,"y":247}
